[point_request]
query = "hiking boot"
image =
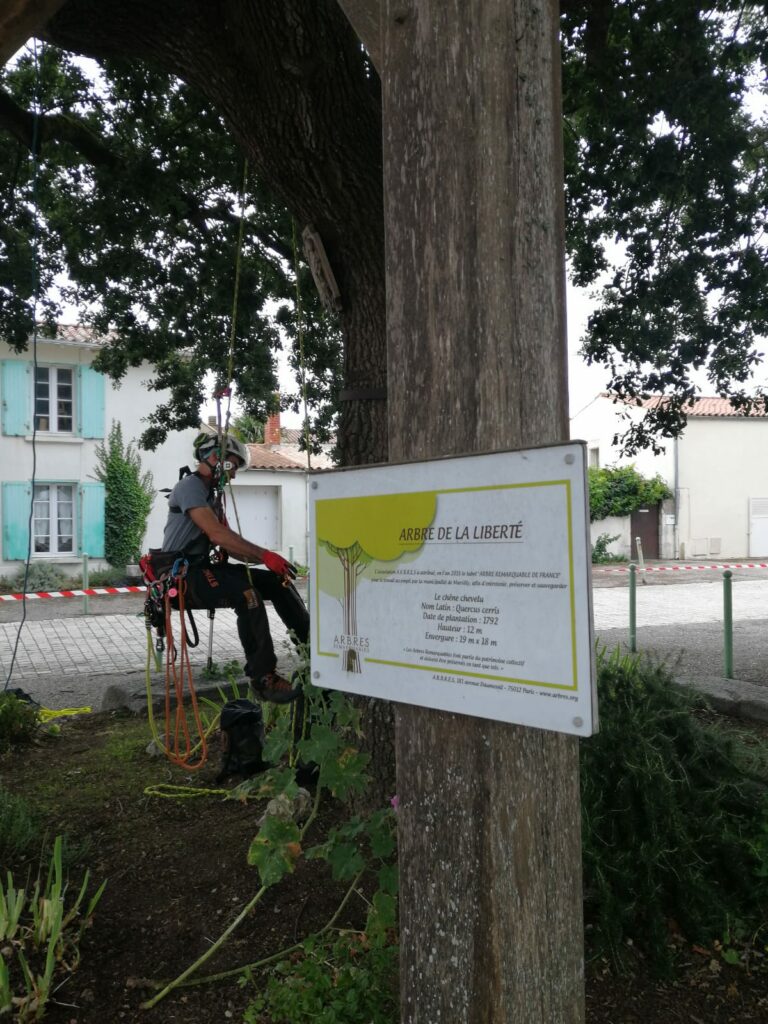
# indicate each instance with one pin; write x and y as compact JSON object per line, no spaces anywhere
{"x":274,"y":688}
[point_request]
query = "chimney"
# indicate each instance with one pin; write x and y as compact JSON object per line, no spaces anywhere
{"x":272,"y":429}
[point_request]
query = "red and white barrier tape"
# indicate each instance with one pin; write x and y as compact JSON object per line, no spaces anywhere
{"x":681,"y":568}
{"x":88,"y":592}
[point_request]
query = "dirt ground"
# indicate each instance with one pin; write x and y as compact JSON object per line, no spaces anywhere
{"x":177,"y":875}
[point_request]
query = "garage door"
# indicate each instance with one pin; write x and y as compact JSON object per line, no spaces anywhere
{"x":758,"y":527}
{"x":259,"y":512}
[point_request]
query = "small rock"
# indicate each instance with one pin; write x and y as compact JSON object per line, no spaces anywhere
{"x":154,"y":749}
{"x":115,"y":698}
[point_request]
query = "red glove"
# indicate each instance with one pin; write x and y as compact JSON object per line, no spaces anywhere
{"x":279,"y":565}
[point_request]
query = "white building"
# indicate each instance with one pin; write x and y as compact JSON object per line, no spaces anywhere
{"x":717,"y":472}
{"x":53,"y":417}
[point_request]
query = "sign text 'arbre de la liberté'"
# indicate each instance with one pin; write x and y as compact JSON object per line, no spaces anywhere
{"x":461,"y":584}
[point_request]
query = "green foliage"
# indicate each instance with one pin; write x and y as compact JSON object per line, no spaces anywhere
{"x":20,"y":829}
{"x":137,"y":198}
{"x":248,"y":429}
{"x":18,"y":721}
{"x":40,"y":935}
{"x":112,"y":576}
{"x":675,"y":816}
{"x":620,"y":490}
{"x":39,"y":576}
{"x":343,"y":981}
{"x":665,"y":193}
{"x":600,"y":552}
{"x":361,"y":845}
{"x":128,"y":498}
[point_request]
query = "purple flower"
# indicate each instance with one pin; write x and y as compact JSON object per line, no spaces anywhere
{"x":395,"y":802}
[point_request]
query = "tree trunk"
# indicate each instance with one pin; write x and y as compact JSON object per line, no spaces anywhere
{"x":20,"y":19}
{"x":489,"y":821}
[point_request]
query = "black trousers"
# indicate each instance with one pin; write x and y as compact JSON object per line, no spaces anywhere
{"x":228,"y":586}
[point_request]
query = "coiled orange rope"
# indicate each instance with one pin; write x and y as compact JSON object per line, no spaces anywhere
{"x":180,"y":750}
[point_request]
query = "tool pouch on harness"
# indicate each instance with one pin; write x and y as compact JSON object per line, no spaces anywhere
{"x":241,"y":734}
{"x":156,"y":568}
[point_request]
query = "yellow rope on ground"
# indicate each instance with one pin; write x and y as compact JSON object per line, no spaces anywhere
{"x":170,"y":792}
{"x":46,"y":714}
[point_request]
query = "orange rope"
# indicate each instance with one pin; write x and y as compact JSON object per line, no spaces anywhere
{"x":176,"y":674}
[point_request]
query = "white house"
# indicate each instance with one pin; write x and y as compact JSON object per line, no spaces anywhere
{"x":717,"y":472}
{"x":271,"y":498}
{"x":53,"y":416}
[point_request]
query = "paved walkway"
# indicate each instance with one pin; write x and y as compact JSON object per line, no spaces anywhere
{"x":69,"y":659}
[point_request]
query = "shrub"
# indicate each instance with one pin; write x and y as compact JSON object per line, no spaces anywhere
{"x":675,"y":816}
{"x":112,"y":576}
{"x":39,"y":576}
{"x":600,"y":552}
{"x":620,"y":490}
{"x":18,"y":721}
{"x":128,"y":498}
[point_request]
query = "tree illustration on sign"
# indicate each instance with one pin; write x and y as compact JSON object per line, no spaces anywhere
{"x":358,"y":533}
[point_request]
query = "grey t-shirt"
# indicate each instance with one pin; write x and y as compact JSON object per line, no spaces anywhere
{"x":181,"y":534}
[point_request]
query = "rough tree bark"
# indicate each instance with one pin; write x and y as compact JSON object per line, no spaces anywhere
{"x":290,"y":80}
{"x":489,"y":828}
{"x":19,"y":19}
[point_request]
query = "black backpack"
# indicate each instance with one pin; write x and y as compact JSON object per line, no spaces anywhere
{"x":241,"y":733}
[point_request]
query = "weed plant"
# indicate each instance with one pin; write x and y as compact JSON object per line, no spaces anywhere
{"x":40,"y":937}
{"x":600,"y":553}
{"x":675,"y":817}
{"x":18,"y":721}
{"x":20,"y":828}
{"x":344,"y":980}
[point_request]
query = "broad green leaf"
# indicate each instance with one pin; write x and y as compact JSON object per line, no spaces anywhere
{"x":275,"y":849}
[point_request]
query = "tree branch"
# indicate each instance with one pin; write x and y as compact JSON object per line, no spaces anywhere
{"x":20,"y":124}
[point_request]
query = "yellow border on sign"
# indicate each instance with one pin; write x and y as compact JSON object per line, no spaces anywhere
{"x":447,"y":670}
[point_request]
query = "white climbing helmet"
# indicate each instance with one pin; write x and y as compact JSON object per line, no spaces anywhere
{"x":206,"y":443}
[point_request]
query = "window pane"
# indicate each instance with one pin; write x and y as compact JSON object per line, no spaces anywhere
{"x":64,"y":517}
{"x":42,"y":394}
{"x":63,"y":400}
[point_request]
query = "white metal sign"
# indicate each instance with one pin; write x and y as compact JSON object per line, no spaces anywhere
{"x":460,"y":584}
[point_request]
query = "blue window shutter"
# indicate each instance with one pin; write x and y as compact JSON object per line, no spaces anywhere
{"x":17,"y":397}
{"x":90,"y":403}
{"x":16,"y":506}
{"x":92,"y":520}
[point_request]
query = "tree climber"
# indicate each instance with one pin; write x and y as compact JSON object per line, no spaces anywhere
{"x":196,"y":530}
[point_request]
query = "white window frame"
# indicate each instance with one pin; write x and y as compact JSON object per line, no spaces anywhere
{"x":53,"y":400}
{"x":53,"y":519}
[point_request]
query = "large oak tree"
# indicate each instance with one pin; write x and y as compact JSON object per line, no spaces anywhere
{"x":138,"y":180}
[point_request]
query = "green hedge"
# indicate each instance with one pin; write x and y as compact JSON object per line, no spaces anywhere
{"x":620,"y":490}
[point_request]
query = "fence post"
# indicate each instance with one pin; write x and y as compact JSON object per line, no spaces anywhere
{"x":85,"y":583}
{"x":632,"y":607}
{"x":728,"y":624}
{"x":641,"y":560}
